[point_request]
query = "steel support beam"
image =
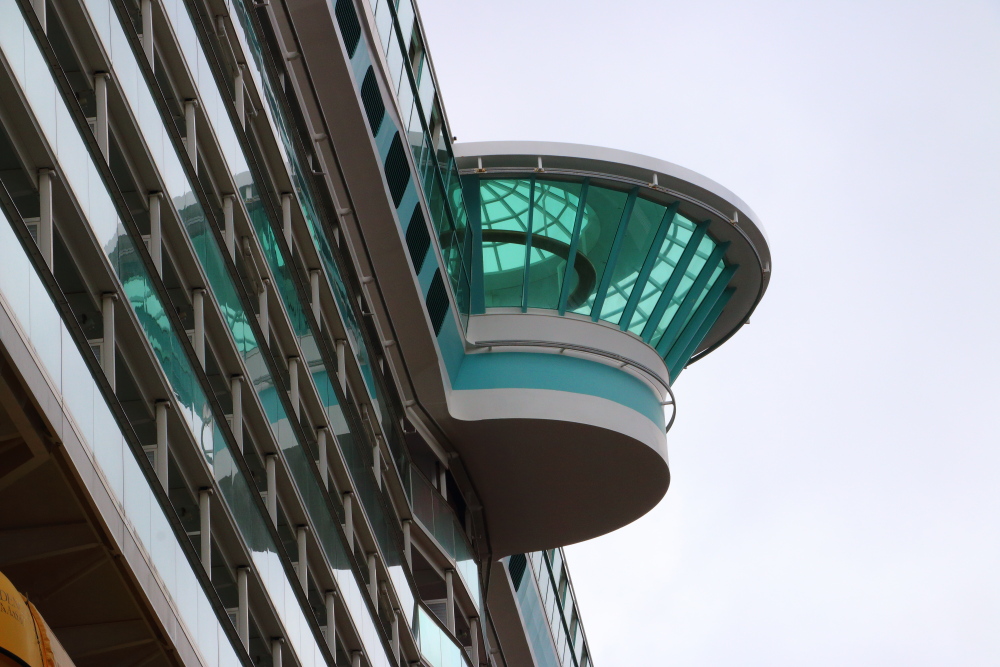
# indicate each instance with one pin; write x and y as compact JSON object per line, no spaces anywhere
{"x":449,"y":583}
{"x":198,"y":306}
{"x":45,"y":222}
{"x":236,"y":388}
{"x":108,"y":346}
{"x":146,"y":9}
{"x":302,"y":545}
{"x":243,"y":608}
{"x":101,"y":102}
{"x":324,"y":461}
{"x":205,"y":516}
{"x":155,"y":231}
{"x":271,"y":465}
{"x":191,"y":131}
{"x":162,"y":457}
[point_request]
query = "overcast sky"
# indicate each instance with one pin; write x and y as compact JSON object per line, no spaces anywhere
{"x":834,"y":497}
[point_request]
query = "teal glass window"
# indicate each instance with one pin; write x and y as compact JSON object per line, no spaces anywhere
{"x":601,"y":250}
{"x":705,"y":248}
{"x":505,"y":205}
{"x":670,"y":252}
{"x":642,"y":227}
{"x":555,"y":211}
{"x":603,"y":215}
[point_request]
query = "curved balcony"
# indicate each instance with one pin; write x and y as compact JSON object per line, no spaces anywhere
{"x":596,"y":277}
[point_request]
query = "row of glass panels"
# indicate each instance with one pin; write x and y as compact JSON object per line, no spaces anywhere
{"x":596,"y":249}
{"x":354,"y":451}
{"x":548,"y":609}
{"x":429,"y":139}
{"x":87,"y":186}
{"x":356,"y":455}
{"x":30,"y":306}
{"x":434,"y":644}
{"x":552,"y":575}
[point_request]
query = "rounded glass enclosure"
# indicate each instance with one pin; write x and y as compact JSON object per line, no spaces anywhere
{"x":599,"y":249}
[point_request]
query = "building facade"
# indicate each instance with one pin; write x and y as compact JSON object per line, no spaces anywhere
{"x":287,"y":377}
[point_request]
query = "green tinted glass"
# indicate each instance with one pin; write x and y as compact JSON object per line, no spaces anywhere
{"x":544,"y":239}
{"x":604,"y":214}
{"x":642,"y":227}
{"x":505,"y":205}
{"x":556,"y":205}
{"x":670,"y":252}
{"x":705,"y":249}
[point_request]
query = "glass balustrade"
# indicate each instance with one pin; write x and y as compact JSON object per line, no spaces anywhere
{"x":29,"y":305}
{"x":87,"y":186}
{"x":438,"y":518}
{"x":210,"y":256}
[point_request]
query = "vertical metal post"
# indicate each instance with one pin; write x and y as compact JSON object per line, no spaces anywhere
{"x":449,"y":583}
{"x":146,"y":9}
{"x":155,"y":232}
{"x":356,"y":659}
{"x":191,"y":127}
{"x":443,"y":480}
{"x":377,"y":463}
{"x":407,"y":548}
{"x":108,"y":348}
{"x":243,"y":610}
{"x":205,"y":515}
{"x":198,"y":306}
{"x":262,"y":306}
{"x":342,"y":364}
{"x":293,"y":384}
{"x":240,"y":96}
{"x":276,"y":652}
{"x":474,"y":637}
{"x":45,"y":224}
{"x":286,"y":219}
{"x":272,"y":487}
{"x":395,"y":635}
{"x":373,"y":579}
{"x":301,"y":542}
{"x":236,"y":387}
{"x":161,"y":457}
{"x":101,"y":102}
{"x":349,"y":519}
{"x":229,"y":227}
{"x":331,"y":624}
{"x":314,"y":296}
{"x":39,"y":7}
{"x":324,"y":460}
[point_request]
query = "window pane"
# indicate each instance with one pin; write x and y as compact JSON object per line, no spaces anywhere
{"x":600,"y":224}
{"x":556,"y":206}
{"x":639,"y":236}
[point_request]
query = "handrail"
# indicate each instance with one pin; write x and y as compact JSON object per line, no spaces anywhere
{"x":624,"y":361}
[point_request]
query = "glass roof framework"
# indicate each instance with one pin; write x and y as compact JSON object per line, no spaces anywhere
{"x":601,"y":249}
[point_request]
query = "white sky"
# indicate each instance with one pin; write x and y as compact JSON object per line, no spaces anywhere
{"x":834,"y":497}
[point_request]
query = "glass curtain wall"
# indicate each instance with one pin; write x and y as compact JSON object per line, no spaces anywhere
{"x":359,"y":464}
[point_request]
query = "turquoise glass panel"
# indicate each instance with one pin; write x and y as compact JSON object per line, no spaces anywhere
{"x":556,"y":205}
{"x":648,"y":248}
{"x":603,"y":215}
{"x":642,"y":227}
{"x":505,"y":205}
{"x":705,"y":248}
{"x":663,"y":267}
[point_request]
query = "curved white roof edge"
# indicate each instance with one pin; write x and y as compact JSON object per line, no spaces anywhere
{"x":612,"y":155}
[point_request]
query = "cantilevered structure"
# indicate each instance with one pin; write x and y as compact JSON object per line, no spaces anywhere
{"x":286,"y":378}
